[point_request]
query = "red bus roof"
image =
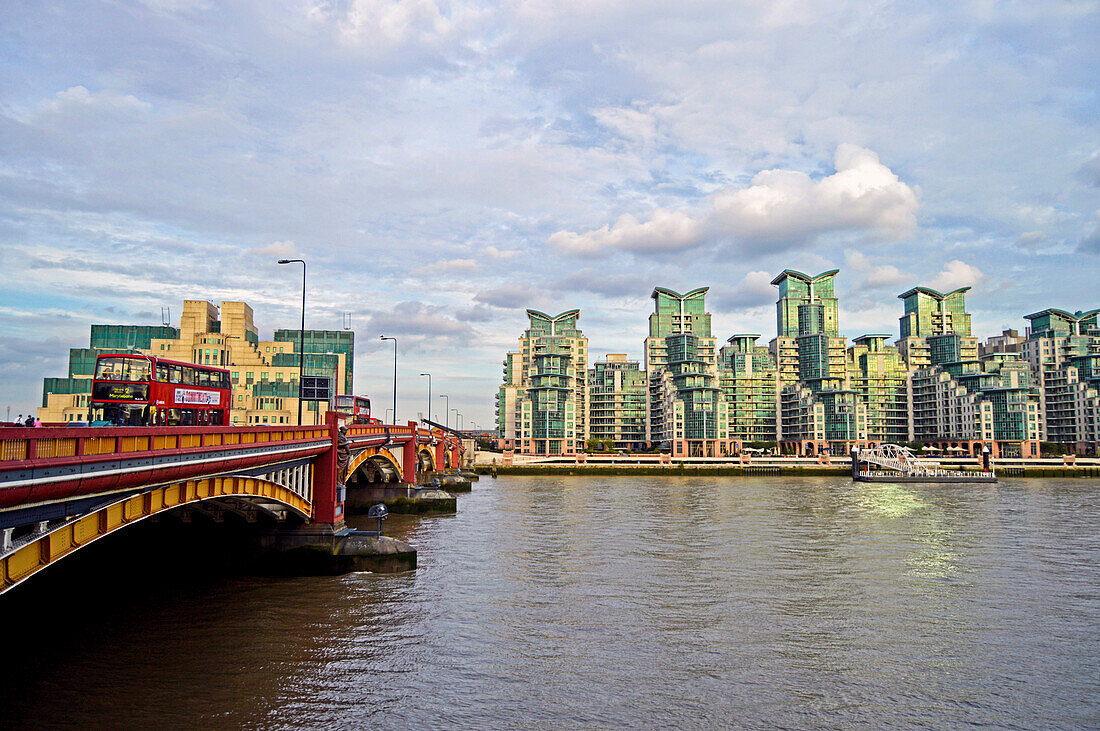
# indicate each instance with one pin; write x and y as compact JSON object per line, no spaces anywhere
{"x":157,"y":359}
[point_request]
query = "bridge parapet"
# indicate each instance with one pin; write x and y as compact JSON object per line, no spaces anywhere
{"x":56,"y":464}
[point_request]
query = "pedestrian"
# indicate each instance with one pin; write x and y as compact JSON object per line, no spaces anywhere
{"x":29,"y":421}
{"x":37,"y":421}
{"x":19,"y":421}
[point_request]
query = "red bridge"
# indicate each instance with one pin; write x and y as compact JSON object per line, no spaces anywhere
{"x":63,"y":488}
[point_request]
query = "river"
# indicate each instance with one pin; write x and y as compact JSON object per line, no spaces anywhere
{"x":600,"y":602}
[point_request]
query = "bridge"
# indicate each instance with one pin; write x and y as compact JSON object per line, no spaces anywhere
{"x":62,"y":489}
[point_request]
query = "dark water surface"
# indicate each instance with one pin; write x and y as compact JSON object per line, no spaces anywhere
{"x":596,"y":602}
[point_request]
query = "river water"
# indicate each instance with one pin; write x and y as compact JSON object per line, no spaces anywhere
{"x":601,"y":602}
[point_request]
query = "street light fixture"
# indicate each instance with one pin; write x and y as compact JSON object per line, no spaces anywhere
{"x":446,"y":411}
{"x":429,"y":375}
{"x":458,"y":419}
{"x":301,"y":334}
{"x":383,"y":337}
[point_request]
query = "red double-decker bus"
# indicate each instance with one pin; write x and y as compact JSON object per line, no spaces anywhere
{"x":356,"y":407}
{"x":143,"y":390}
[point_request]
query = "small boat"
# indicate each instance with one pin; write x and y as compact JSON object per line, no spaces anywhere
{"x":894,"y":463}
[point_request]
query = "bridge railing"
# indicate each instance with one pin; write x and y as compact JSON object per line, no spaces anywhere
{"x":23,"y":444}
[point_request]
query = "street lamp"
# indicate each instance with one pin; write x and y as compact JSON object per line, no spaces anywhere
{"x":458,"y":419}
{"x":383,"y":337}
{"x":226,"y":360}
{"x":446,"y":411}
{"x":429,"y":375}
{"x":301,"y":334}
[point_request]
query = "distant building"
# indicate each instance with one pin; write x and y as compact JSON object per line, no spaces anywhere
{"x":264,"y":374}
{"x":1008,"y":341}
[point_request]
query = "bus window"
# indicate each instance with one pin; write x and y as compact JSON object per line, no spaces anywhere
{"x":188,"y":380}
{"x":202,"y":378}
{"x":175,"y":374}
{"x":162,"y":372}
{"x":225,"y":382}
{"x":123,"y":369}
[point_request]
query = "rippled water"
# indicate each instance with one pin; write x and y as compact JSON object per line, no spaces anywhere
{"x":594,"y":602}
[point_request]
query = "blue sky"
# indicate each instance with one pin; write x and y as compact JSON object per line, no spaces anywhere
{"x":444,"y":165}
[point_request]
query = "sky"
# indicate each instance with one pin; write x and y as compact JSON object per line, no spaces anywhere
{"x":442,"y":166}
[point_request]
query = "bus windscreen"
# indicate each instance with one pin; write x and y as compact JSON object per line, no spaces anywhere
{"x":123,"y":369}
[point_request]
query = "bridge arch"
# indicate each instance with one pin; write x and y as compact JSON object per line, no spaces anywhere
{"x":426,"y":459}
{"x":381,"y":460}
{"x":48,"y":548}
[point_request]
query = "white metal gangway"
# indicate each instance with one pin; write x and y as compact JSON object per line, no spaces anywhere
{"x":894,"y":457}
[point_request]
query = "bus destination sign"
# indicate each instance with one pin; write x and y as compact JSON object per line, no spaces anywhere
{"x":104,"y":391}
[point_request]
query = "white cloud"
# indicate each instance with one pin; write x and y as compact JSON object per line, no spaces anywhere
{"x":956,"y":274}
{"x":1033,"y":240}
{"x":754,"y":289}
{"x":789,"y":208}
{"x":275,"y":250}
{"x":396,"y":23}
{"x":493,"y":252}
{"x":881,"y":275}
{"x":664,"y":231}
{"x":633,"y":124}
{"x":780,"y":209}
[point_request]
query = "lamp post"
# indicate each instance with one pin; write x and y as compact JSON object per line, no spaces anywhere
{"x":301,"y":334}
{"x":383,"y":337}
{"x":226,"y":360}
{"x":429,"y":375}
{"x":446,"y":410}
{"x":458,"y":419}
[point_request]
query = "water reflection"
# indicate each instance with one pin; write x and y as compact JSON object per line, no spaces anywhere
{"x":603,"y":602}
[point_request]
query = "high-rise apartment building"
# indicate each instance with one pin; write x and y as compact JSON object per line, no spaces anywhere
{"x":617,"y":402}
{"x":812,"y":392}
{"x":748,"y":378}
{"x":879,"y":376}
{"x":1063,"y":349}
{"x":685,"y":411}
{"x":817,"y":408}
{"x":542,"y":405}
{"x":930,"y":313}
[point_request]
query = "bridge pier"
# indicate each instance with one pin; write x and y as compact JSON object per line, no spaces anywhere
{"x":320,"y":550}
{"x":399,"y":498}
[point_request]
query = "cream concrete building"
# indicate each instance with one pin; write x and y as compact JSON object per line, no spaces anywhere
{"x":264,"y":373}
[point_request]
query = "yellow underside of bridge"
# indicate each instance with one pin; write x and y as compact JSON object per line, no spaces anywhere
{"x":366,"y":455}
{"x":50,"y":547}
